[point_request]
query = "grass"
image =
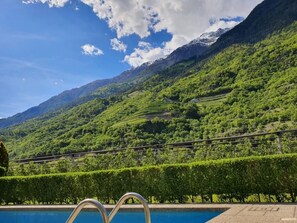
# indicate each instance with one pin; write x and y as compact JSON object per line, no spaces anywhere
{"x":130,"y":121}
{"x":212,"y":100}
{"x":156,"y":107}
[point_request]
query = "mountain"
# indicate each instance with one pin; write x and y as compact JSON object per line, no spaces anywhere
{"x":87,"y":92}
{"x":246,"y":87}
{"x":191,"y":50}
{"x":268,"y":17}
{"x":209,"y":38}
{"x":53,"y":103}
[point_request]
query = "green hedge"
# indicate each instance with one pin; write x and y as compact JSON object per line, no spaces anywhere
{"x":235,"y":179}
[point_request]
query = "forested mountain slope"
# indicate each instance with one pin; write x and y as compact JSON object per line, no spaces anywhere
{"x":118,"y":84}
{"x":267,"y":17}
{"x":247,"y":87}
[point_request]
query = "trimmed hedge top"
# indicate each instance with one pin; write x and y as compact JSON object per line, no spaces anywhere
{"x":236,"y":178}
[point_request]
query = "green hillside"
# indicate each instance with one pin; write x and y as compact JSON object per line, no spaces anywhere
{"x":245,"y":88}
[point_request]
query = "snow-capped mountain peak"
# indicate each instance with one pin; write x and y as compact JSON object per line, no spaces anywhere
{"x":209,"y":38}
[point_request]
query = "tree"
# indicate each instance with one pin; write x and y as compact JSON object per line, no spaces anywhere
{"x":3,"y":159}
{"x":191,"y":111}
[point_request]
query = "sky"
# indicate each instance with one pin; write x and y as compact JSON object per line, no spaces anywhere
{"x":49,"y":46}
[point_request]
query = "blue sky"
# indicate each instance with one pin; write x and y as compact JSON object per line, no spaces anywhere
{"x":48,"y":46}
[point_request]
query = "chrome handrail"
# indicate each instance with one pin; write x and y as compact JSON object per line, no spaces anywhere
{"x":85,"y":202}
{"x":126,"y":197}
{"x":102,"y":210}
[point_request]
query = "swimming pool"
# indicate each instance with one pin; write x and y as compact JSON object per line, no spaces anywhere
{"x":157,"y":216}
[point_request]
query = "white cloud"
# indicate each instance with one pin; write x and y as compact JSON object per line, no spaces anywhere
{"x":51,"y":3}
{"x":184,"y":19}
{"x":145,"y":53}
{"x":125,"y":17}
{"x":117,"y":45}
{"x":143,"y":44}
{"x":221,"y":24}
{"x":89,"y":49}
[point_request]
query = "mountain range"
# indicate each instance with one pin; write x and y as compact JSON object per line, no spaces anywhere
{"x":243,"y":81}
{"x":85,"y":93}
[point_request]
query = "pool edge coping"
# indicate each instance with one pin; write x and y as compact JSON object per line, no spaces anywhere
{"x":129,"y":207}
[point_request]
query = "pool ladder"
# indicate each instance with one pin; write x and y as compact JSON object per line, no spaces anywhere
{"x":108,"y":218}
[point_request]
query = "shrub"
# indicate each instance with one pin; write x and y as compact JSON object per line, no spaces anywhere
{"x":231,"y":179}
{"x":3,"y":159}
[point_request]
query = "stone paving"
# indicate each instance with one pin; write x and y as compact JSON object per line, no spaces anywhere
{"x":258,"y":213}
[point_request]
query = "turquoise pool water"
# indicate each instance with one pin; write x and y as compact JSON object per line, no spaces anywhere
{"x":94,"y":217}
